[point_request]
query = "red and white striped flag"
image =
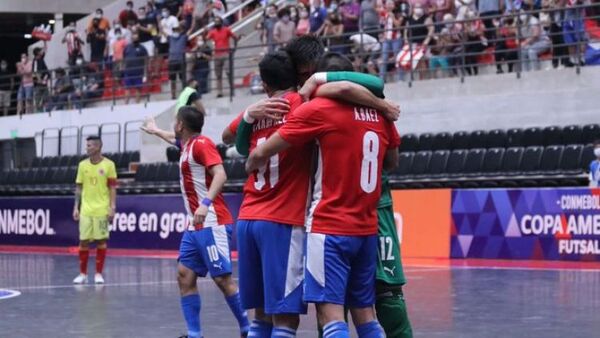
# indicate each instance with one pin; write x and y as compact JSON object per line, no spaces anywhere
{"x":404,"y":57}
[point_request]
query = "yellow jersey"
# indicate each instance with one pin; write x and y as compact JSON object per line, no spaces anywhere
{"x":96,"y":180}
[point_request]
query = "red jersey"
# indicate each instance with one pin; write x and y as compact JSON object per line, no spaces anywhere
{"x":221,"y":38}
{"x":352,"y":143}
{"x":197,"y":156}
{"x":278,"y":192}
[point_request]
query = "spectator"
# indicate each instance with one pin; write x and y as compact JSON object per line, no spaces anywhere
{"x":146,"y":29}
{"x":284,"y":29}
{"x":187,"y":13}
{"x":560,"y":52}
{"x":595,"y":167}
{"x":294,"y":15}
{"x":221,"y":36}
{"x":151,"y":12}
{"x":507,"y":46}
{"x":365,"y":49}
{"x":174,"y":6}
{"x":391,"y":39}
{"x":488,"y":10}
{"x":177,"y":44}
{"x":97,"y":39}
{"x":419,"y":33}
{"x":92,"y":87}
{"x":201,"y":15}
{"x":62,"y":90}
{"x":456,"y":46}
{"x":440,"y":49}
{"x":167,"y":23}
{"x":189,"y":96}
{"x":350,"y":11}
{"x":464,"y":6}
{"x":77,"y":73}
{"x":369,"y":18}
{"x":40,"y":77}
{"x":219,"y":9}
{"x":103,"y":22}
{"x":512,"y":6}
{"x":203,"y":55}
{"x":74,"y":43}
{"x":317,"y":16}
{"x":333,"y":30}
{"x":118,"y":48}
{"x":534,"y":41}
{"x":441,"y":8}
{"x":574,"y":31}
{"x":135,"y":56}
{"x":303,"y":26}
{"x":127,"y":15}
{"x":267,"y":27}
{"x":7,"y":84}
{"x":475,"y":43}
{"x":25,"y":93}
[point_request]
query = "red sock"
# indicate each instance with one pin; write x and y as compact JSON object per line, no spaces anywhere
{"x":84,"y":255}
{"x":100,"y":257}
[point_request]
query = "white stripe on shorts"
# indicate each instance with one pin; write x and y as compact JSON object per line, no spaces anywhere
{"x":295,"y":271}
{"x":220,"y":236}
{"x":315,"y":257}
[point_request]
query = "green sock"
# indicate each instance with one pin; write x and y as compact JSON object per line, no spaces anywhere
{"x":393,"y":317}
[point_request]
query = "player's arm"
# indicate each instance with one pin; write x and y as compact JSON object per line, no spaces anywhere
{"x":112,"y":186}
{"x":78,"y":189}
{"x":390,"y":161}
{"x":263,"y":152}
{"x":372,"y":83}
{"x":272,"y":108}
{"x":219,"y":177}
{"x":151,"y":128}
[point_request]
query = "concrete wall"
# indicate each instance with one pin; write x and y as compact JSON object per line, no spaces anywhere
{"x":52,"y":6}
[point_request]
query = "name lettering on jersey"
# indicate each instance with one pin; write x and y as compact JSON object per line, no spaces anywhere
{"x":266,"y":123}
{"x":366,"y":114}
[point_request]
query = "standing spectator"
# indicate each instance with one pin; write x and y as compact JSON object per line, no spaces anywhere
{"x":103,"y":22}
{"x":201,"y":15}
{"x":534,"y":41}
{"x":203,"y":55}
{"x":419,"y":33}
{"x":350,"y":11}
{"x":92,"y":87}
{"x":7,"y":84}
{"x":187,"y":13}
{"x":97,"y":39}
{"x":464,"y":6}
{"x":560,"y":52}
{"x":127,"y":15}
{"x":74,"y":44}
{"x":440,"y":48}
{"x":488,"y":9}
{"x":267,"y":27}
{"x":475,"y":43}
{"x":285,"y":28}
{"x":118,"y":48}
{"x":595,"y":167}
{"x":25,"y":93}
{"x":221,"y":36}
{"x":303,"y":26}
{"x":167,"y":23}
{"x":441,"y":8}
{"x":134,"y":57}
{"x":177,"y":44}
{"x":146,"y":28}
{"x":574,"y":31}
{"x":512,"y":6}
{"x":61,"y":91}
{"x":40,"y":77}
{"x":369,"y":17}
{"x":456,"y":47}
{"x":112,"y":37}
{"x":507,"y":46}
{"x":294,"y":14}
{"x":365,"y":49}
{"x":333,"y":30}
{"x":317,"y":16}
{"x":151,"y":12}
{"x":391,"y":39}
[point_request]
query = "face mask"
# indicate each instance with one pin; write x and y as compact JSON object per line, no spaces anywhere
{"x":142,"y":15}
{"x":118,"y":35}
{"x":449,"y":25}
{"x":218,"y":24}
{"x":117,"y":26}
{"x":597,"y":152}
{"x":176,"y":34}
{"x":419,"y":12}
{"x":523,"y":17}
{"x":98,"y":16}
{"x":79,"y":62}
{"x":165,"y":14}
{"x":285,"y":18}
{"x":304,"y":14}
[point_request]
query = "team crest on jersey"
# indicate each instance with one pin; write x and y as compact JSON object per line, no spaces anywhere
{"x":101,"y":172}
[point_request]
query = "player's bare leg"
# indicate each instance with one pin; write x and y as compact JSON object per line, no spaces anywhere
{"x":331,"y":318}
{"x":230,"y":289}
{"x":366,"y":323}
{"x":101,"y":247}
{"x":190,"y":300}
{"x":84,"y":254}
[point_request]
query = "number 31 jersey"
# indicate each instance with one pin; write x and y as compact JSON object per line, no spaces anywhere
{"x":278,"y":192}
{"x":352,"y":143}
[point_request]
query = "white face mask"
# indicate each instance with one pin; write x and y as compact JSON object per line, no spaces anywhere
{"x":419,"y":12}
{"x":597,"y":152}
{"x":79,"y":62}
{"x":98,"y":16}
{"x":176,"y":34}
{"x":304,"y":14}
{"x":165,"y":14}
{"x":523,"y":17}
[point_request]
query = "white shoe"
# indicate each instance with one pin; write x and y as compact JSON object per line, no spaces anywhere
{"x":80,"y":279}
{"x":98,"y":279}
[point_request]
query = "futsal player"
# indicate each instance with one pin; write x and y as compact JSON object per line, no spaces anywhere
{"x":341,"y":247}
{"x":95,"y":203}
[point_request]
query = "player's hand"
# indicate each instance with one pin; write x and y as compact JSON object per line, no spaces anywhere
{"x":76,"y":215}
{"x":254,"y":162}
{"x":149,"y":126}
{"x":271,"y":108}
{"x":200,"y":214}
{"x":391,"y":110}
{"x":308,"y":88}
{"x":111,"y":214}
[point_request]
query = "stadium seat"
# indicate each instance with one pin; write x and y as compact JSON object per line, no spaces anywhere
{"x":496,"y":139}
{"x":438,"y":162}
{"x":551,"y":159}
{"x":514,"y":137}
{"x":45,"y":161}
{"x":572,"y":135}
{"x":492,"y":161}
{"x":404,"y":164}
{"x":552,"y":135}
{"x":477,"y":139}
{"x":512,"y":160}
{"x":173,"y":154}
{"x":590,"y":133}
{"x":460,"y":140}
{"x":410,"y":142}
{"x":173,"y":174}
{"x":135,"y":157}
{"x":162,"y":172}
{"x":533,"y":137}
{"x":587,"y":156}
{"x":35,"y":163}
{"x":532,"y":156}
{"x":420,"y":164}
{"x":474,"y":161}
{"x":426,"y":141}
{"x":236,"y":169}
{"x":456,"y":162}
{"x":571,"y":159}
{"x":442,"y":141}
{"x":222,"y":148}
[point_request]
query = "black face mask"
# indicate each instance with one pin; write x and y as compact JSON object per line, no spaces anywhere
{"x":218,"y":25}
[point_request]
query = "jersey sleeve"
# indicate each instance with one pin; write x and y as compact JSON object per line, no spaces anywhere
{"x":373,"y":83}
{"x":233,"y":126}
{"x":79,"y":178}
{"x":205,"y":153}
{"x":304,"y":125}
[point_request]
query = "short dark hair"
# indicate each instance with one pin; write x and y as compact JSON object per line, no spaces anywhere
{"x":94,"y":138}
{"x":277,"y":71}
{"x":36,"y":51}
{"x":283,"y":12}
{"x":305,"y":50}
{"x":192,"y":118}
{"x":100,"y":10}
{"x":129,"y":3}
{"x":334,"y":62}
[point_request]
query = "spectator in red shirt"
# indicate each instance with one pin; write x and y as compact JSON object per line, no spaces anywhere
{"x":127,"y":15}
{"x":221,"y":36}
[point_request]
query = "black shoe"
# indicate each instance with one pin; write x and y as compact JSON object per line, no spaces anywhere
{"x":499,"y":71}
{"x":184,"y":336}
{"x":219,"y":96}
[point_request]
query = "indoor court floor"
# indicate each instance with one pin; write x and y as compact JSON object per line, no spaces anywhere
{"x":445,"y":299}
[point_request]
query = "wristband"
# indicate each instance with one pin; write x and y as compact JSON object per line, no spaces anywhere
{"x":321,"y":77}
{"x":206,"y":202}
{"x":249,"y":119}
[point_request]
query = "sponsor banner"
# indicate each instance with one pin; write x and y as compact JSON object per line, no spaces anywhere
{"x":549,"y":224}
{"x":423,"y":219}
{"x":141,"y":222}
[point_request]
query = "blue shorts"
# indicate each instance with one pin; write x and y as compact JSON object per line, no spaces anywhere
{"x":271,"y":259}
{"x":133,"y":80}
{"x":573,"y":30}
{"x":207,"y":250}
{"x":340,"y":270}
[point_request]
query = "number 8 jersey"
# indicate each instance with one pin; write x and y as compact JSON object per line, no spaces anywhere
{"x":278,"y":192}
{"x":352,"y":143}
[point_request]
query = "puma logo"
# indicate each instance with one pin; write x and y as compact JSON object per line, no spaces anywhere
{"x":218,"y":266}
{"x":391,"y":271}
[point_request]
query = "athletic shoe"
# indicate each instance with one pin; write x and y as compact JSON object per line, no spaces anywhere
{"x":98,"y":279}
{"x":80,"y":279}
